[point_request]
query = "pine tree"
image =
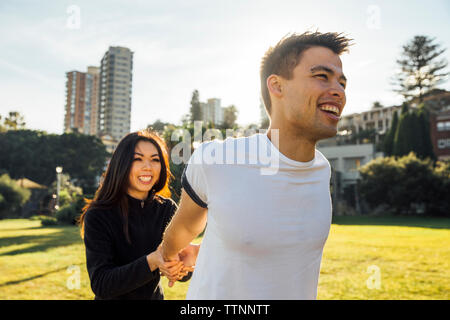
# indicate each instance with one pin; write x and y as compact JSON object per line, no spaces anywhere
{"x":390,"y":135}
{"x":402,"y":142}
{"x":421,"y":71}
{"x":196,"y":111}
{"x":413,"y":135}
{"x":426,"y":146}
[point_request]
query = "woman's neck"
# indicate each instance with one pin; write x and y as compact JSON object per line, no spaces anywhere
{"x":138,"y":195}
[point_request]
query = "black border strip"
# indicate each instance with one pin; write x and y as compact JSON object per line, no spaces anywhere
{"x":187,"y":187}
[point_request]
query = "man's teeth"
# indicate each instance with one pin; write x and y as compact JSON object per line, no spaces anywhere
{"x":145,"y":179}
{"x":330,"y":107}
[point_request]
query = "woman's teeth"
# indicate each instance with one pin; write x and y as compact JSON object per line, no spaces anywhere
{"x":145,"y":179}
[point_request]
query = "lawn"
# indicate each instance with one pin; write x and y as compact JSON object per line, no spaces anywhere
{"x":364,"y":258}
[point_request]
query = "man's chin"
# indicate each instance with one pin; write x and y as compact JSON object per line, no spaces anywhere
{"x":326,"y":133}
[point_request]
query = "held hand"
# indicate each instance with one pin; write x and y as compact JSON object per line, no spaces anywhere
{"x":170,"y":269}
{"x":189,"y":256}
{"x":178,"y":273}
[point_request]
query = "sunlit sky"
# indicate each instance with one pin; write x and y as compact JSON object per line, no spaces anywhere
{"x":214,"y":46}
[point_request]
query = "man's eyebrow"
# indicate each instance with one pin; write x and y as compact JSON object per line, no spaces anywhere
{"x":326,"y":69}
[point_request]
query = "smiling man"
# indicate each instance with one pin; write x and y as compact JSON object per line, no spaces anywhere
{"x":266,"y":233}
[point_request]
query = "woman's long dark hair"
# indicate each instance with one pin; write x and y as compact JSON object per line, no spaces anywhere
{"x":112,"y":190}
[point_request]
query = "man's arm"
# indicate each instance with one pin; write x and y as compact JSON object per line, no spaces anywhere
{"x":187,"y":223}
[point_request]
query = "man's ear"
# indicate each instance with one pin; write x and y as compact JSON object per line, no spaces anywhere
{"x":274,"y":85}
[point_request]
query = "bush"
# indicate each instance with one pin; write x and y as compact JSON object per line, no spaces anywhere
{"x":441,"y":202}
{"x":70,"y":213}
{"x":406,"y":185}
{"x":12,"y":197}
{"x":68,"y":193}
{"x":48,"y":221}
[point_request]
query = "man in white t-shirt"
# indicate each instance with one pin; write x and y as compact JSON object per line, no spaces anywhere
{"x":266,"y":198}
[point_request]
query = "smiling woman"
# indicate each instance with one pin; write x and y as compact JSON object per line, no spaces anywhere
{"x":123,"y":225}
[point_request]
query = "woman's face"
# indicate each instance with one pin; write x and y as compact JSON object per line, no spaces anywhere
{"x":145,"y":170}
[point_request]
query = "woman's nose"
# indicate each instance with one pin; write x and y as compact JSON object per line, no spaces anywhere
{"x":148,"y":164}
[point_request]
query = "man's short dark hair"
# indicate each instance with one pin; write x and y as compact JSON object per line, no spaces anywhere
{"x":285,"y":56}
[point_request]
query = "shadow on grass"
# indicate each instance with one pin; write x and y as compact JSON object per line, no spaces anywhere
{"x":9,"y":283}
{"x":402,"y":221}
{"x":64,"y":237}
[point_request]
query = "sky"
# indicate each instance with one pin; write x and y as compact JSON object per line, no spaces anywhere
{"x":212,"y":46}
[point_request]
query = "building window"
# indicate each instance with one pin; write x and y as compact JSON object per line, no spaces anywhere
{"x":443,"y":143}
{"x":443,"y":126}
{"x":351,"y":164}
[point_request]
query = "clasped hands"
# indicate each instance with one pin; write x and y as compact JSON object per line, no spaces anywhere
{"x":178,"y":266}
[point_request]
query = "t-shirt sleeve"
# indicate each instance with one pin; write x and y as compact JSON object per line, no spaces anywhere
{"x":193,"y":179}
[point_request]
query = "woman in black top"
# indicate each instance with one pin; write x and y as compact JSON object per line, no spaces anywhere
{"x":123,"y":225}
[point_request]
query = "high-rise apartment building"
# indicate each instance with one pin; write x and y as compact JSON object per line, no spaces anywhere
{"x":114,"y":113}
{"x":92,"y":99}
{"x":82,"y":101}
{"x":212,"y":111}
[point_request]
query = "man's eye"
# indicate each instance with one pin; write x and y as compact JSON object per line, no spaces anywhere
{"x":324,"y":76}
{"x":343,"y":85}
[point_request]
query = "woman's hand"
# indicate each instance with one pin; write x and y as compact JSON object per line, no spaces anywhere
{"x":170,"y":269}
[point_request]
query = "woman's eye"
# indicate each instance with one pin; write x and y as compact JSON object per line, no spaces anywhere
{"x":136,"y":159}
{"x":156,"y":160}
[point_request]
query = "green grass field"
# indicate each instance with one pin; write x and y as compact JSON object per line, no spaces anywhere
{"x":364,"y":258}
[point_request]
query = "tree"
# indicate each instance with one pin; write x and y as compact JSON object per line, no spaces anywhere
{"x":405,"y":185}
{"x":413,"y":135}
{"x":376,"y":176}
{"x":229,"y":117}
{"x":36,"y":154}
{"x":441,"y":202}
{"x":388,"y":143}
{"x":2,"y":127}
{"x":12,"y":197}
{"x":14,"y":121}
{"x":264,"y":117}
{"x":424,"y":144}
{"x":377,"y":105}
{"x":421,"y":70}
{"x":196,"y":110}
{"x":158,"y":125}
{"x":68,"y":193}
{"x":404,"y":136}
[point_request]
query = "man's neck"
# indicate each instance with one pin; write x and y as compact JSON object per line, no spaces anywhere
{"x":292,"y":145}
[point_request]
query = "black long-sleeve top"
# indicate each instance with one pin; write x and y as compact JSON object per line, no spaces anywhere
{"x":117,"y":269}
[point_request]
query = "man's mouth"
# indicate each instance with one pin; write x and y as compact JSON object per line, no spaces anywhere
{"x":330,"y":108}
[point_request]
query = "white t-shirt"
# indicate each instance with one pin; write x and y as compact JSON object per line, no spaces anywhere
{"x":266,"y":229}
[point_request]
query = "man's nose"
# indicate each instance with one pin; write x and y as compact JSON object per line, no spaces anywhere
{"x":338,"y":91}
